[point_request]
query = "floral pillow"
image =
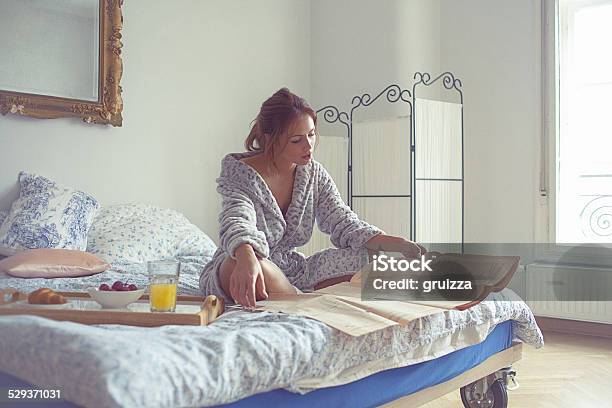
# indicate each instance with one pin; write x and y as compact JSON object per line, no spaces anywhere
{"x":47,"y":215}
{"x":141,"y":233}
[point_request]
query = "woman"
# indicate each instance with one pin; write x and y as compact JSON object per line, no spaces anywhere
{"x":272,"y":196}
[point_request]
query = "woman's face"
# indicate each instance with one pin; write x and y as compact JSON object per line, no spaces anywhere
{"x":300,"y":141}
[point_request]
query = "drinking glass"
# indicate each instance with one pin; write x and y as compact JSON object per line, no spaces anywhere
{"x":163,"y":281}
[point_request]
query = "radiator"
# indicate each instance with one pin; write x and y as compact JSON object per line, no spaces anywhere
{"x":569,"y":292}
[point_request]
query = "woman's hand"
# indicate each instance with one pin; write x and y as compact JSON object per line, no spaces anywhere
{"x":247,"y":278}
{"x":412,"y":250}
{"x":390,"y":243}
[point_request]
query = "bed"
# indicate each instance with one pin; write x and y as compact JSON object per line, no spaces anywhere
{"x":243,"y":358}
{"x":250,"y":359}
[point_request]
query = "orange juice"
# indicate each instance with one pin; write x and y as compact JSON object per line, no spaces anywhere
{"x":163,"y":297}
{"x":163,"y":278}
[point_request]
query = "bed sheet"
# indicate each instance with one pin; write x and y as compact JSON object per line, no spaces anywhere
{"x":241,"y":354}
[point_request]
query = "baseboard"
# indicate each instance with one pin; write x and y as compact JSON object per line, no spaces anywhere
{"x":552,"y":324}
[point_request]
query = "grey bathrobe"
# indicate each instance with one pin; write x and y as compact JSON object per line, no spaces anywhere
{"x":250,"y":214}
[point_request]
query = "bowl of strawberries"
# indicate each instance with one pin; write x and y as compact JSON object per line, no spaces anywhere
{"x":116,"y":296}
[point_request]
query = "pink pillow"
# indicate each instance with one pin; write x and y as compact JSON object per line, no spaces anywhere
{"x":52,"y":263}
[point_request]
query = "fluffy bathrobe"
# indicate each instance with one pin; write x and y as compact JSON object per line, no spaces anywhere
{"x":250,"y":214}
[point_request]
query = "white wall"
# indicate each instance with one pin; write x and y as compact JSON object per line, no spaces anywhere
{"x":363,"y":46}
{"x":494,"y":47}
{"x":195,"y":74}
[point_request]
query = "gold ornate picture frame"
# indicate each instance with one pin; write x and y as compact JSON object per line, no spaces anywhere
{"x":109,"y":106}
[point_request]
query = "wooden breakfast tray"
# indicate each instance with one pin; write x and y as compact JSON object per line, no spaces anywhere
{"x":190,"y":310}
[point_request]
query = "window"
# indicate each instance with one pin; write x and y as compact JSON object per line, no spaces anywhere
{"x":583,"y":140}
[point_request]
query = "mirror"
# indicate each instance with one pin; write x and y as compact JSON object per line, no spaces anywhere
{"x":61,"y":58}
{"x":56,"y":54}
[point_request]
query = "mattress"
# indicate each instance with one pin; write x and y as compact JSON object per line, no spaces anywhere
{"x":371,"y":391}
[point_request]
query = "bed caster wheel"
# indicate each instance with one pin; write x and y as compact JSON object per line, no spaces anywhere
{"x":495,"y":396}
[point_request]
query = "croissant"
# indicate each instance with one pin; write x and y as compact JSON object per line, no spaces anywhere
{"x":46,"y":296}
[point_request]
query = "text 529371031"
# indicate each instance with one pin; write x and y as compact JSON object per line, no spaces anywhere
{"x":31,"y":394}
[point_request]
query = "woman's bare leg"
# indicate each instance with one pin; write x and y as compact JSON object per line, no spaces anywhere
{"x":274,"y":279}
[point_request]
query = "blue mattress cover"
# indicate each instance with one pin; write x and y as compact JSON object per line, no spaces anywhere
{"x":371,"y":391}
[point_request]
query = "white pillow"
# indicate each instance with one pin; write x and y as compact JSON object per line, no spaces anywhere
{"x":140,"y":233}
{"x":47,"y":215}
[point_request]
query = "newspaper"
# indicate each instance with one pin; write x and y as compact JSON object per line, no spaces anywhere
{"x":343,"y":307}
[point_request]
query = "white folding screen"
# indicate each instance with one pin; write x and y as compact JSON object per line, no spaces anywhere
{"x":438,"y":163}
{"x":438,"y":211}
{"x":381,"y":157}
{"x":438,"y":139}
{"x":391,"y":214}
{"x":382,"y":168}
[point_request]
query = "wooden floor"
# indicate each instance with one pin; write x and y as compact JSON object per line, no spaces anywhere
{"x":570,"y":371}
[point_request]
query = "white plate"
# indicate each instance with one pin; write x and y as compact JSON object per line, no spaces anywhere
{"x":24,"y":303}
